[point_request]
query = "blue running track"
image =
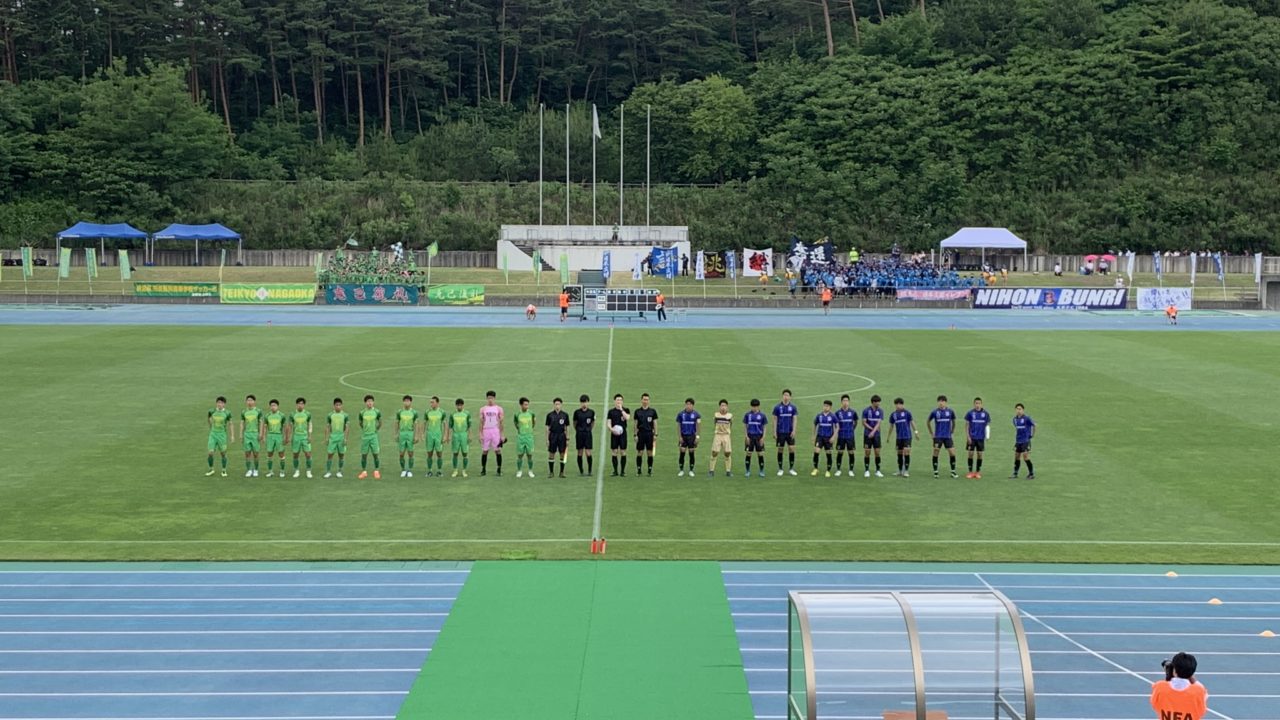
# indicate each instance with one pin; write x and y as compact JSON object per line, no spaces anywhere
{"x":1097,"y":635}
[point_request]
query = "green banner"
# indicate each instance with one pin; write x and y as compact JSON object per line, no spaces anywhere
{"x":64,"y":263}
{"x":268,"y":294}
{"x":126,"y":272}
{"x":455,"y":295}
{"x":27,"y":263}
{"x":91,"y":262}
{"x":564,"y":268}
{"x":175,"y":289}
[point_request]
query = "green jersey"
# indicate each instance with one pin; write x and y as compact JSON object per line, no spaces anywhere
{"x":434,"y":420}
{"x":406,"y":420}
{"x":275,"y":423}
{"x":525,"y":423}
{"x":369,"y":419}
{"x":460,"y":422}
{"x":252,"y":419}
{"x":337,"y":422}
{"x":218,"y":421}
{"x":301,"y":424}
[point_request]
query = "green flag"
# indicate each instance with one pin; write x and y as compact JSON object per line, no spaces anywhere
{"x":27,"y":264}
{"x":223,"y":262}
{"x":126,"y":272}
{"x":506,"y":272}
{"x":64,"y":263}
{"x":433,"y":249}
{"x":319,"y":263}
{"x":91,"y":262}
{"x":537,"y":266}
{"x":564,"y":268}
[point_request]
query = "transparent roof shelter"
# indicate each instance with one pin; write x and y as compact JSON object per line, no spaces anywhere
{"x":918,"y":655}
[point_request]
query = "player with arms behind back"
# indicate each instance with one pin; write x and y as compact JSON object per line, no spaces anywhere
{"x":407,"y":435}
{"x":941,"y":424}
{"x":491,"y":434}
{"x":336,"y":430}
{"x":872,"y":417}
{"x":689,"y":422}
{"x":785,"y":430}
{"x":525,"y":421}
{"x":978,"y":423}
{"x":824,"y":430}
{"x":251,"y":434}
{"x":460,"y":436}
{"x":904,"y":426}
{"x":433,"y":422}
{"x":275,"y":421}
{"x":721,"y":442}
{"x":300,"y":435}
{"x":370,"y":423}
{"x":755,"y":422}
{"x":1024,"y":429}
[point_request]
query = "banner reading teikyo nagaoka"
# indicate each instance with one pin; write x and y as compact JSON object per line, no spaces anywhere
{"x":268,"y":294}
{"x":1050,"y":298}
{"x":345,"y":294}
{"x":175,"y":289}
{"x":455,"y":295}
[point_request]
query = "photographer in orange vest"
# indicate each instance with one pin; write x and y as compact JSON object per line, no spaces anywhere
{"x":1179,"y":696}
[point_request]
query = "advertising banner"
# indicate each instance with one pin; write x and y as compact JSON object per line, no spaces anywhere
{"x":932,"y":294}
{"x":347,"y":294}
{"x":268,"y":294}
{"x":175,"y":289}
{"x":1050,"y":298}
{"x":1161,"y":298}
{"x":455,"y":295}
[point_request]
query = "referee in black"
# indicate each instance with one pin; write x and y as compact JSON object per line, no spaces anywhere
{"x":646,"y":424}
{"x":584,"y":421}
{"x":557,"y":437}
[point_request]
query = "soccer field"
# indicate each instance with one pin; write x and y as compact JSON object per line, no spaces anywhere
{"x":1148,"y":447}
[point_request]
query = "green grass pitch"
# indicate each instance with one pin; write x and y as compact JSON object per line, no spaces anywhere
{"x":1144,"y":439}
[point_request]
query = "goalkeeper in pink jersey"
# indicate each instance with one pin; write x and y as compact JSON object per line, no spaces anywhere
{"x":491,"y":438}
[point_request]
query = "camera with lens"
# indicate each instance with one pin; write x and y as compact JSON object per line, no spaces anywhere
{"x":1168,"y":669}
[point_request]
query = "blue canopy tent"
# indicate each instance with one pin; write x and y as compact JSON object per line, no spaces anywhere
{"x":209,"y":233}
{"x":101,"y":233}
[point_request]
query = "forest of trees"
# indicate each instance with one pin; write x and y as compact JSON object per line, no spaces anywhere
{"x":1081,"y":124}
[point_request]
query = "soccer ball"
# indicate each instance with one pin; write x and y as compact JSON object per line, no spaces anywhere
{"x":617,"y":429}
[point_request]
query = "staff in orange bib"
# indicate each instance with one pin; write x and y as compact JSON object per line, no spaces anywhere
{"x":660,"y":303}
{"x":1179,"y":696}
{"x":1171,"y":312}
{"x":826,"y":300}
{"x":564,"y":305}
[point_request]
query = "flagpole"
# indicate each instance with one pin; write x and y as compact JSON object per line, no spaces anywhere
{"x":622,"y":139}
{"x":566,"y":164}
{"x":541,"y":111}
{"x":593,"y":165}
{"x":648,"y":151}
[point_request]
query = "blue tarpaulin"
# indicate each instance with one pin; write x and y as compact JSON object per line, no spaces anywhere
{"x":209,"y":233}
{"x":101,"y":233}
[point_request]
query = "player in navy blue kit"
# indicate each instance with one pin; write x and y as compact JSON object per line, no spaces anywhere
{"x":689,"y":423}
{"x":942,"y":424}
{"x":846,"y":424}
{"x":905,"y":428}
{"x":1024,"y":428}
{"x":978,"y":423}
{"x":824,"y":431}
{"x":871,"y":419}
{"x":785,"y":430}
{"x":755,"y":422}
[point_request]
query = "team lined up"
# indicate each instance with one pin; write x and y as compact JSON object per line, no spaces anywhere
{"x":833,"y":431}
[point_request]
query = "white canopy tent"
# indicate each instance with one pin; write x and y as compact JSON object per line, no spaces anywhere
{"x":986,"y":238}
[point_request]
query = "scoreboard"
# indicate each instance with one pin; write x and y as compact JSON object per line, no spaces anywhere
{"x":619,"y":301}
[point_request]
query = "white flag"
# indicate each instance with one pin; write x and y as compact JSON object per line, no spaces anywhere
{"x":1257,"y":268}
{"x":635,"y":269}
{"x":1130,"y":270}
{"x":700,"y":272}
{"x":595,"y":122}
{"x":1193,"y":268}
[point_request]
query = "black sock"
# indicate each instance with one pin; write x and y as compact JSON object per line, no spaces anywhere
{"x":970,"y":463}
{"x":1030,"y":470}
{"x":953,"y":463}
{"x":551,"y":467}
{"x":906,"y":462}
{"x":935,"y":463}
{"x":639,"y":462}
{"x":899,"y":461}
{"x":591,"y":463}
{"x":1017,"y":465}
{"x":579,"y":464}
{"x":562,"y":466}
{"x":498,"y":459}
{"x":682,"y":457}
{"x":613,"y":459}
{"x":484,"y":462}
{"x":979,"y":465}
{"x":650,"y":462}
{"x":828,"y":462}
{"x":839,"y":457}
{"x":623,"y":461}
{"x":779,"y":459}
{"x":791,"y":459}
{"x":693,"y":460}
{"x":815,"y":459}
{"x":748,"y":463}
{"x":866,"y":462}
{"x":877,"y":463}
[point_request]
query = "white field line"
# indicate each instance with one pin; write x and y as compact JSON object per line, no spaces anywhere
{"x":604,"y":444}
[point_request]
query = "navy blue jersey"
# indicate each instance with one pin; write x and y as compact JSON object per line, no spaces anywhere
{"x":901,"y":420}
{"x":871,"y":419}
{"x":848,"y":420}
{"x":825,"y":424}
{"x":755,"y":422}
{"x":944,"y":422}
{"x":1023,"y":427}
{"x":688,"y":422}
{"x":786,"y":415}
{"x":978,"y":421}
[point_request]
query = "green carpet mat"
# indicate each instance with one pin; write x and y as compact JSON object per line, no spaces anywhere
{"x":588,"y":640}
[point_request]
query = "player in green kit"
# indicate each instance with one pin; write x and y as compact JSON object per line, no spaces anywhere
{"x":370,"y":423}
{"x":407,"y":424}
{"x":275,"y":421}
{"x":433,"y":421}
{"x":300,"y":435}
{"x":219,"y":422}
{"x":336,"y":430}
{"x":460,"y":436}
{"x":251,"y":434}
{"x":525,"y":422}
